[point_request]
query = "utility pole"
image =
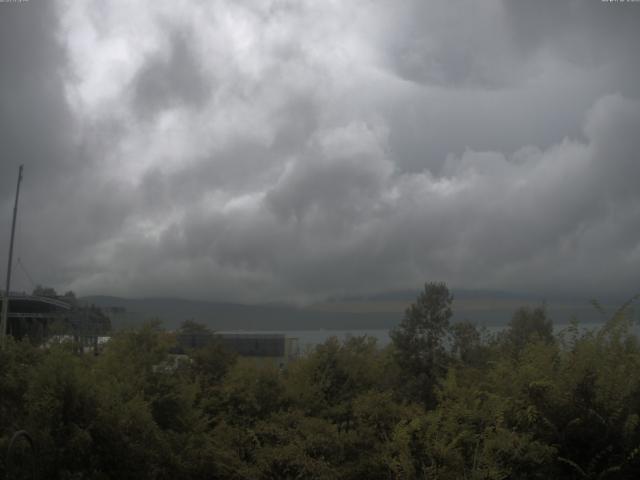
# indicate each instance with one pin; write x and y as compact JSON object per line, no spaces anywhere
{"x":5,"y":303}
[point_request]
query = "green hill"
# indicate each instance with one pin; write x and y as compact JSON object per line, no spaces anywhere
{"x":379,"y":311}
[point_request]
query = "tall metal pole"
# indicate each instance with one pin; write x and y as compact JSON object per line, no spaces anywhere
{"x":5,"y":303}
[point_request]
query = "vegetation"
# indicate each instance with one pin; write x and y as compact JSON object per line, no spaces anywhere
{"x":442,"y":401}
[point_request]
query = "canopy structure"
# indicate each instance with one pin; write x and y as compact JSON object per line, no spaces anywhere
{"x":38,"y":318}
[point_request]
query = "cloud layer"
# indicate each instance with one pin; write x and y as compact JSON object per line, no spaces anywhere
{"x":293,"y":150}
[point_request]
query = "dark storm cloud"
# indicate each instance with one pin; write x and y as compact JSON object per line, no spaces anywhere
{"x":254,"y":151}
{"x":594,"y":35}
{"x":176,"y":78}
{"x":38,"y":131}
{"x":461,"y":45}
{"x":32,"y":105}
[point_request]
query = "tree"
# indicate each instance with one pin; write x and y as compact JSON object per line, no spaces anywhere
{"x":466,"y":342}
{"x":528,"y":326}
{"x":191,"y":327}
{"x":212,"y":362}
{"x":41,"y":291}
{"x":192,"y":334}
{"x":419,"y":341}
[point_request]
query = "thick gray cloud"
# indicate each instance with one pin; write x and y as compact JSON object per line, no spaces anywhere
{"x":287,"y":150}
{"x":163,"y":82}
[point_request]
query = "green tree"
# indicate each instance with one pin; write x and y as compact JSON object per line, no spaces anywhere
{"x":528,"y":326}
{"x":326,"y":382}
{"x":191,"y":327}
{"x":192,"y":335}
{"x":419,"y":341}
{"x":466,"y":343}
{"x":252,"y":392}
{"x":212,"y":362}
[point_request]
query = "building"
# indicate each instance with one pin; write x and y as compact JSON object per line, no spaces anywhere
{"x":274,"y":348}
{"x":39,"y":318}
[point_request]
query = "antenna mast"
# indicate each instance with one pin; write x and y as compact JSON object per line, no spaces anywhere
{"x":5,"y":303}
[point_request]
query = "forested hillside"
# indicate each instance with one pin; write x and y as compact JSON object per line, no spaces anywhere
{"x":443,"y":401}
{"x":382,"y":311}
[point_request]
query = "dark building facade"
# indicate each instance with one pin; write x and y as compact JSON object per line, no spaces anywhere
{"x":276,"y":348}
{"x":37,"y":318}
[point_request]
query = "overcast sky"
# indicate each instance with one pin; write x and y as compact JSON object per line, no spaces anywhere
{"x":289,"y":150}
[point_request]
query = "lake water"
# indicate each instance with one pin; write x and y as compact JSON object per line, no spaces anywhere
{"x":307,"y":339}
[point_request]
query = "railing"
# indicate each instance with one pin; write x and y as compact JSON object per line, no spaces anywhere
{"x":51,"y":301}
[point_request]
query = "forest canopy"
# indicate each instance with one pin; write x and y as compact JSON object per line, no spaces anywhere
{"x":441,"y":401}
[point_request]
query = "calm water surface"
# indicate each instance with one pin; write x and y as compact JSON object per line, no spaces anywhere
{"x":307,"y":339}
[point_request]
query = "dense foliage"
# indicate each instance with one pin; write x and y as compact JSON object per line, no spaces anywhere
{"x":442,"y":401}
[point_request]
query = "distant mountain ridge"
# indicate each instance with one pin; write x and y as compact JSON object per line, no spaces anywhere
{"x":233,"y":316}
{"x":380,"y":311}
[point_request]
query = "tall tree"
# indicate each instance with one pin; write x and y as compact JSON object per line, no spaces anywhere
{"x":466,"y":342}
{"x":528,"y":326}
{"x":419,"y":341}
